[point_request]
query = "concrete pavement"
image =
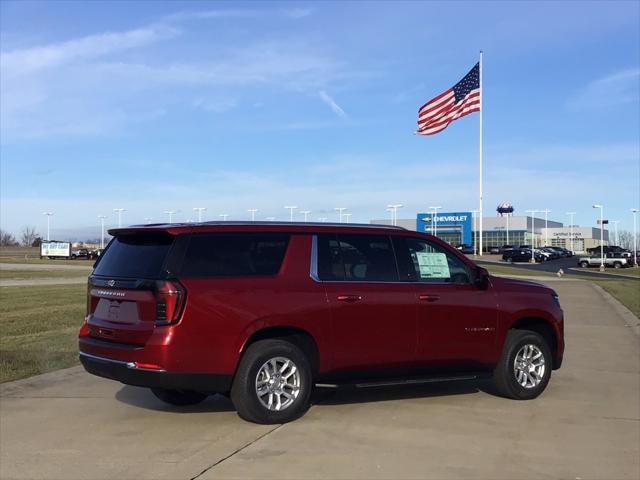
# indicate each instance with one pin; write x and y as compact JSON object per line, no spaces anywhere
{"x":586,"y":425}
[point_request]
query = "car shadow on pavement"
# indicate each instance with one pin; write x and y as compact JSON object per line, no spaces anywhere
{"x":143,"y":398}
{"x":347,"y":395}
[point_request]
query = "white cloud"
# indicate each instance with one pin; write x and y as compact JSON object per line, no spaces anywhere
{"x":298,"y":12}
{"x":30,"y":60}
{"x":619,"y":88}
{"x":324,"y":96}
{"x":218,"y":105}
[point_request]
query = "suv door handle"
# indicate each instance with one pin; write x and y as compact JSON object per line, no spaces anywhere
{"x":349,"y":298}
{"x":425,"y":297}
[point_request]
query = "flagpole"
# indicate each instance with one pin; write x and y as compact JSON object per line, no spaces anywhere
{"x":480,"y":189}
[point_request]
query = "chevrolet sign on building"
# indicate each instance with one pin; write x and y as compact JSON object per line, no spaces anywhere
{"x":454,"y":227}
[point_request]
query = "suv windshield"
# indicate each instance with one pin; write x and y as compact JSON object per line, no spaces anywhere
{"x":137,"y":256}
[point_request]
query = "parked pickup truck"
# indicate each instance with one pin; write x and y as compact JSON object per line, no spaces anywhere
{"x":609,"y":261}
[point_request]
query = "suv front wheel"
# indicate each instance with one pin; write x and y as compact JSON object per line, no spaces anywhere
{"x":272,"y":383}
{"x":524,"y":369}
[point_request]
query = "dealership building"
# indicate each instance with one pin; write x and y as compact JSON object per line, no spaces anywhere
{"x":462,"y":228}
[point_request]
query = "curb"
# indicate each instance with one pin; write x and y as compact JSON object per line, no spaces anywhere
{"x":630,"y":319}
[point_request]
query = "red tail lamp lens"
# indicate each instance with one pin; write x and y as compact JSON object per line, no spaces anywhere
{"x":170,"y":302}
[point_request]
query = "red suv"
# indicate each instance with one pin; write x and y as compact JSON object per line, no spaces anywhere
{"x":264,"y":311}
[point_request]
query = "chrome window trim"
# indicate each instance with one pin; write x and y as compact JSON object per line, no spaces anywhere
{"x":313,"y":272}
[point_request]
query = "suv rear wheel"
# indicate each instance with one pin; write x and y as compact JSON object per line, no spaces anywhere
{"x":273,"y":382}
{"x":179,"y":397}
{"x":524,"y":369}
{"x":584,"y":264}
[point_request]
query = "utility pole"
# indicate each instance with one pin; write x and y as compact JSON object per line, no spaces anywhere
{"x":571,"y":214}
{"x":170,"y":213}
{"x":340,"y":210}
{"x":291,"y":208}
{"x":546,"y":227}
{"x":253,"y":211}
{"x":474,"y":214}
{"x":615,"y":231}
{"x":102,"y":218}
{"x":601,"y":207}
{"x":634,"y":212}
{"x":48,"y":215}
{"x":306,"y":214}
{"x":394,"y":215}
{"x":119,"y":212}
{"x":434,"y":220}
{"x":199,"y":210}
{"x":347,"y":216}
{"x":533,"y":223}
{"x":224,"y":216}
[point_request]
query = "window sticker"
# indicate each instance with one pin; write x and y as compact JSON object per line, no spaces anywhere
{"x":433,"y":265}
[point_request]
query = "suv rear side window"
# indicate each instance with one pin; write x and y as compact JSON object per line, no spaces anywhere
{"x":227,"y":255}
{"x":366,"y":258}
{"x":135,"y":256}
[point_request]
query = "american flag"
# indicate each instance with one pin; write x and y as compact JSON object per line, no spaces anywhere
{"x":452,"y":104}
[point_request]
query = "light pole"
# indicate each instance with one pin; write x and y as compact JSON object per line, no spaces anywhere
{"x":394,"y":212}
{"x":474,"y":214}
{"x":634,"y":212}
{"x":291,"y":209}
{"x":571,"y":214}
{"x":434,"y":220}
{"x":340,"y":210}
{"x":507,"y":228}
{"x":252,"y":211}
{"x":48,"y":215}
{"x":224,"y":216}
{"x":170,"y":213}
{"x":119,"y":212}
{"x":615,"y":230}
{"x":199,"y":210}
{"x":546,"y":227}
{"x":347,"y":216}
{"x":533,"y":222}
{"x":102,"y":218}
{"x":601,"y":207}
{"x":306,"y":214}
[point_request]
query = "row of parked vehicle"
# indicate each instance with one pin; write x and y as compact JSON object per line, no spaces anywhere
{"x":86,"y":253}
{"x":524,"y":253}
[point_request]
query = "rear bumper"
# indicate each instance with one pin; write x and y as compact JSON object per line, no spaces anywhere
{"x":129,"y":374}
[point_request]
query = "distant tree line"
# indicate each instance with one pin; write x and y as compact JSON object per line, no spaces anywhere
{"x":28,"y":238}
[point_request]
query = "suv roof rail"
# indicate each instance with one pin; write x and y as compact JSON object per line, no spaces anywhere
{"x":266,"y":222}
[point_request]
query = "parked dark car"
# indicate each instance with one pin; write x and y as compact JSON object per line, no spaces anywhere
{"x":263,"y":311}
{"x":506,"y":248}
{"x":466,"y":249}
{"x":554,"y":254}
{"x":522,"y":255}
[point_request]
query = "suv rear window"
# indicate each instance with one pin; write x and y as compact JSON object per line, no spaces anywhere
{"x":225,"y":255}
{"x":136,"y":255}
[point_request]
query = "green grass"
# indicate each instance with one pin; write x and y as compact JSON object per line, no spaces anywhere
{"x":38,"y":328}
{"x":626,"y":292}
{"x":14,"y":274}
{"x":37,"y":260}
{"x":628,"y":272}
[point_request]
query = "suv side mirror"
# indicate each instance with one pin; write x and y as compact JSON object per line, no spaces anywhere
{"x":481,"y":279}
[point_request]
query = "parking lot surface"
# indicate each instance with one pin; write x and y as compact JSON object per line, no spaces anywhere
{"x":71,"y":425}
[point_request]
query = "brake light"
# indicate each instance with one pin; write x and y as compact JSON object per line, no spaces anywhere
{"x":170,"y":300}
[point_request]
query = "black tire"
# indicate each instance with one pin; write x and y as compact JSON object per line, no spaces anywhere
{"x":584,"y":264}
{"x":179,"y":398}
{"x":617,"y":265}
{"x":243,"y":390}
{"x":504,"y":375}
{"x":509,"y":260}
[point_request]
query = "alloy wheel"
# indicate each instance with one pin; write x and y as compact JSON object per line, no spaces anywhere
{"x":278,"y":383}
{"x":529,"y":366}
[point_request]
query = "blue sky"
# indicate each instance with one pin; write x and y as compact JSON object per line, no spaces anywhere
{"x":151,"y":106}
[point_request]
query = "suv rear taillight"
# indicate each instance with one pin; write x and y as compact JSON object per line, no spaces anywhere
{"x":170,"y":300}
